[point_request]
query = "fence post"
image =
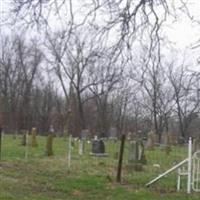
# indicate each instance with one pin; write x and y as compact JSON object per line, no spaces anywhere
{"x":1,"y":138}
{"x":69,"y":151}
{"x":121,"y":152}
{"x":26,"y":147}
{"x":189,"y":181}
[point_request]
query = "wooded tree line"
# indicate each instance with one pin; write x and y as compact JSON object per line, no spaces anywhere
{"x":86,"y":74}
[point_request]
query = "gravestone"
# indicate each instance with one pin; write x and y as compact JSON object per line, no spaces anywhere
{"x":81,"y":147}
{"x":33,"y":137}
{"x":112,"y":132}
{"x":98,"y":147}
{"x":23,"y":141}
{"x":133,"y":152}
{"x":181,"y":140}
{"x":136,"y":152}
{"x":173,"y":138}
{"x":166,"y":142}
{"x":51,"y":130}
{"x":136,"y":156}
{"x":129,"y":136}
{"x":151,"y":140}
{"x":85,"y":133}
{"x":196,"y":145}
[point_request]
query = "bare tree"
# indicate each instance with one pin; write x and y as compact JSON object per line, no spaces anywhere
{"x":107,"y":74}
{"x":72,"y":62}
{"x":186,"y":96}
{"x":29,"y":59}
{"x":150,"y":74}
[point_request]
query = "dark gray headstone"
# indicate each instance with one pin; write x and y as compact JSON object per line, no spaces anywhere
{"x":98,"y":147}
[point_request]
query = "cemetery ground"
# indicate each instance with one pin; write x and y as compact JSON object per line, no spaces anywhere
{"x":39,"y":177}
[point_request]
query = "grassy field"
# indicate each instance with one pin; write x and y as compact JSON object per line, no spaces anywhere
{"x":42,"y":178}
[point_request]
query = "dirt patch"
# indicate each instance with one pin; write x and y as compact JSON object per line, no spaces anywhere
{"x":76,"y":192}
{"x":136,"y":187}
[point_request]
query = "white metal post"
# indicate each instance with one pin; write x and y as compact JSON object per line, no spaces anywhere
{"x":178,"y":180}
{"x":2,"y":136}
{"x":26,"y":148}
{"x":80,"y":147}
{"x":189,"y":181}
{"x":69,"y":151}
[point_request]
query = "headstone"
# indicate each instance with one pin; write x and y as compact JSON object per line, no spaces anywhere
{"x":136,"y":152}
{"x":166,"y":142}
{"x":173,"y":139}
{"x":24,"y":141}
{"x":81,"y":147}
{"x":113,"y":132}
{"x":136,"y":156}
{"x":98,"y":147}
{"x":85,"y":133}
{"x":151,"y":140}
{"x":51,"y":129}
{"x":129,"y":136}
{"x":33,"y":135}
{"x":181,"y":140}
{"x":133,"y":152}
{"x":196,"y":145}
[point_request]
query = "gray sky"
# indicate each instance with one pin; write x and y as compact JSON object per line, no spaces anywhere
{"x":183,"y":33}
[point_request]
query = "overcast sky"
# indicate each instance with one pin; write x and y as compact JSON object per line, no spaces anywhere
{"x":183,"y":33}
